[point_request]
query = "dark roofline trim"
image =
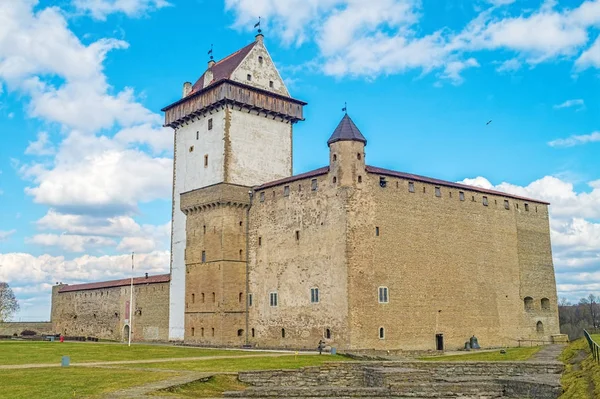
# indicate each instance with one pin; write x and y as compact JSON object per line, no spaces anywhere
{"x":161,"y":278}
{"x":424,"y":179}
{"x":313,"y":173}
{"x":234,"y":83}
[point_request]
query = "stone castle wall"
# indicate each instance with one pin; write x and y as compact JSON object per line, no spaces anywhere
{"x":12,"y":328}
{"x":102,"y":313}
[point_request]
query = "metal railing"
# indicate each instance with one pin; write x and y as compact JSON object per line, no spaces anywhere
{"x":594,"y":347}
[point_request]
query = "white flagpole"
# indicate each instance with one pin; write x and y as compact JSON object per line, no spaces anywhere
{"x":131,"y":302}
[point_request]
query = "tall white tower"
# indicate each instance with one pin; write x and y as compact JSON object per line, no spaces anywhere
{"x":234,"y":125}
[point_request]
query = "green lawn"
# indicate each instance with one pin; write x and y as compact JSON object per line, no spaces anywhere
{"x":72,"y":382}
{"x":512,"y":354}
{"x":213,"y":387}
{"x":244,"y":364}
{"x":12,"y":352}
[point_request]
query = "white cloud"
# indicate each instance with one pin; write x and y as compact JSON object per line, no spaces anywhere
{"x":590,"y":57}
{"x":100,"y":9}
{"x":570,"y":103}
{"x":41,"y":146}
{"x":576,"y":140}
{"x":159,"y":139}
{"x":4,"y":235}
{"x":510,"y":65}
{"x":96,"y":175}
{"x":70,"y":243}
{"x":367,"y":39}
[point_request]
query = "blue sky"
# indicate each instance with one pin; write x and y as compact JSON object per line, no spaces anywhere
{"x":85,"y":165}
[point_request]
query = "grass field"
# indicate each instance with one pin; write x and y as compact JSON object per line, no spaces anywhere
{"x":12,"y":352}
{"x":72,"y":382}
{"x":512,"y":354}
{"x":241,"y":364}
{"x":581,"y":379}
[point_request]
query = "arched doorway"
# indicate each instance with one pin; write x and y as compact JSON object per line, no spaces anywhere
{"x":126,"y":332}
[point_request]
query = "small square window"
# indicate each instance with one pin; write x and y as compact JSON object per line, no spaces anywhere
{"x":271,"y":84}
{"x":461,"y":195}
{"x":314,"y":295}
{"x":262,"y":196}
{"x":411,"y":187}
{"x":383,"y":295}
{"x":210,"y":124}
{"x":248,"y":77}
{"x":506,"y":204}
{"x":286,"y":191}
{"x":485,"y":201}
{"x":273,"y":299}
{"x":526,"y":207}
{"x":438,"y":192}
{"x":313,"y":184}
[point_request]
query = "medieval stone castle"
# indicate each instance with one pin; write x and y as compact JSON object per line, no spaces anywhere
{"x":358,"y":256}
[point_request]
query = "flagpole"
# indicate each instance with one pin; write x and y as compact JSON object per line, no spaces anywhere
{"x":131,"y":302}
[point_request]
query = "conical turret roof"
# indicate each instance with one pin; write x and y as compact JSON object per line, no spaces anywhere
{"x":346,"y":131}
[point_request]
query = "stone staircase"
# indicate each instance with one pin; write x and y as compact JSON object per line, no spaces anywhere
{"x":414,"y":379}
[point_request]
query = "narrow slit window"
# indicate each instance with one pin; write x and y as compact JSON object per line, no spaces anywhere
{"x":297,"y":235}
{"x":411,"y":187}
{"x":193,"y":330}
{"x":240,"y":296}
{"x":313,"y":184}
{"x":383,"y":295}
{"x":381,"y":333}
{"x":273,"y":299}
{"x":314,"y":295}
{"x":283,"y":333}
{"x":271,"y":84}
{"x":485,"y":201}
{"x":259,"y":241}
{"x":202,"y":332}
{"x":204,"y":229}
{"x":214,"y":296}
{"x":377,"y":231}
{"x":526,"y":207}
{"x":249,"y":299}
{"x":334,"y":157}
{"x":248,"y":77}
{"x":210,"y":124}
{"x":359,"y":178}
{"x":506,"y":204}
{"x":197,"y":135}
{"x":203,"y":297}
{"x":438,"y":192}
{"x":253,"y":333}
{"x":461,"y":195}
{"x":206,"y":160}
{"x":358,"y":156}
{"x":262,"y":197}
{"x":286,"y":191}
{"x":213,"y":331}
{"x":193,"y":298}
{"x":334,"y":179}
{"x":203,"y":256}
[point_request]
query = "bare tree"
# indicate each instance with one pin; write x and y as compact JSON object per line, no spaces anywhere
{"x":593,"y":309}
{"x":8,"y":303}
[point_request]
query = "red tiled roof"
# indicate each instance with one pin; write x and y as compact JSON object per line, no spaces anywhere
{"x":161,"y":278}
{"x":224,"y":68}
{"x":306,"y":175}
{"x":408,"y":176}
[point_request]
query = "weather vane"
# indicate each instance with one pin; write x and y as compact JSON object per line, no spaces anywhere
{"x":210,"y":52}
{"x":257,"y":25}
{"x":345,"y":109}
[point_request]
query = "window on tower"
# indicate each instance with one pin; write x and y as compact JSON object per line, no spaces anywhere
{"x":248,"y":77}
{"x":271,"y":84}
{"x":210,"y":124}
{"x":260,"y":59}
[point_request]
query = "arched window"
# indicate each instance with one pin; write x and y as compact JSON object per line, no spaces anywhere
{"x":202,"y":332}
{"x":381,"y":333}
{"x":214,"y":297}
{"x":240,"y":296}
{"x":539,"y":327}
{"x":334,"y":179}
{"x":283,"y":333}
{"x":328,"y":334}
{"x":528,"y":301}
{"x":334,"y":157}
{"x":358,"y":156}
{"x":193,"y":330}
{"x":213,"y":331}
{"x":545,"y":304}
{"x":203,"y":297}
{"x":240,"y":332}
{"x":193,"y":298}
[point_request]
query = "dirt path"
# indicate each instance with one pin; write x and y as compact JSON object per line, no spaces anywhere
{"x":163,"y":360}
{"x":548,"y":353}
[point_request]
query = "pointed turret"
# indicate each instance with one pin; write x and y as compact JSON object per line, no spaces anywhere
{"x":346,"y":131}
{"x":347,"y":154}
